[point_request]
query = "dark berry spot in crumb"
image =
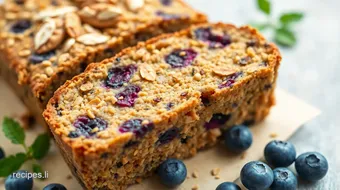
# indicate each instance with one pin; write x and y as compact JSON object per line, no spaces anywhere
{"x":205,"y":101}
{"x":130,"y":144}
{"x":217,"y":121}
{"x":119,"y":75}
{"x":105,"y":155}
{"x":234,"y":105}
{"x":244,"y":61}
{"x":264,"y":64}
{"x":251,"y":43}
{"x":38,"y":58}
{"x":184,"y":140}
{"x":230,"y":80}
{"x":136,"y":126}
{"x":184,"y":93}
{"x":166,"y":2}
{"x":128,"y":96}
{"x":73,"y":134}
{"x":20,"y":26}
{"x":169,"y":106}
{"x":119,"y":165}
{"x":181,"y":58}
{"x":19,"y":2}
{"x":214,"y":40}
{"x":167,"y":16}
{"x":157,"y":100}
{"x":168,"y":136}
{"x":118,"y":59}
{"x":267,"y":86}
{"x":116,"y":176}
{"x":89,"y":127}
{"x":54,"y":2}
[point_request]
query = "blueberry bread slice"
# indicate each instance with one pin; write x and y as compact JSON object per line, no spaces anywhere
{"x":168,"y":97}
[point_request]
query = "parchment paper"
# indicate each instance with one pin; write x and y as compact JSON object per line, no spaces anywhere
{"x":285,"y":118}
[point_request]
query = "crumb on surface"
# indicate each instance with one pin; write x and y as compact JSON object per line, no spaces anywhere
{"x":195,"y":174}
{"x":243,"y":155}
{"x":215,"y":171}
{"x":195,"y":187}
{"x":217,"y":177}
{"x":69,"y":177}
{"x":273,"y":135}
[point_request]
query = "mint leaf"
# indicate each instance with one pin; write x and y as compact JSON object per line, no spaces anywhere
{"x":13,"y":131}
{"x":285,"y":37}
{"x":40,"y":146}
{"x":288,"y":18}
{"x":260,"y":26}
{"x":264,"y":6}
{"x":11,"y":164}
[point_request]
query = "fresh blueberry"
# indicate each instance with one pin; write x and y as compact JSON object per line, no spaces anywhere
{"x":257,"y":175}
{"x":230,"y":80}
{"x":280,"y":153}
{"x":172,"y":172}
{"x":238,"y":138}
{"x":217,"y":121}
{"x":136,"y":126}
{"x":2,"y":153}
{"x":228,"y":186}
{"x":55,"y":186}
{"x":38,"y":58}
{"x":119,"y":75}
{"x":167,"y":16}
{"x":87,"y":127}
{"x":20,"y":26}
{"x":181,"y":58}
{"x":168,"y":136}
{"x":284,"y":179}
{"x":19,"y":181}
{"x":311,"y":166}
{"x":166,"y":2}
{"x":214,"y":41}
{"x":128,"y":96}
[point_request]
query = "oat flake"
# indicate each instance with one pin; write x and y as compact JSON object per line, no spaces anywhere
{"x":92,"y":39}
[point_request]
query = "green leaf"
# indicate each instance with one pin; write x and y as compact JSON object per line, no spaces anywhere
{"x":38,"y":170}
{"x":285,"y":37}
{"x":11,"y":164}
{"x":264,"y":6}
{"x":13,"y":131}
{"x":260,"y":26}
{"x":288,"y":18}
{"x":40,"y":146}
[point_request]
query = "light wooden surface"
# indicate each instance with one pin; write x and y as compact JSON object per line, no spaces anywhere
{"x":310,"y":70}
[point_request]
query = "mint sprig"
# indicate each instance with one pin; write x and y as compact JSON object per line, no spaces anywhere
{"x":283,"y":27}
{"x":16,"y":134}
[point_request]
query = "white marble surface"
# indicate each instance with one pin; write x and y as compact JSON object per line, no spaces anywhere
{"x":310,"y":70}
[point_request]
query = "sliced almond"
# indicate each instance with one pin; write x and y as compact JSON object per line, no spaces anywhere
{"x":224,"y":71}
{"x":147,"y":72}
{"x":44,"y":34}
{"x":89,"y":29}
{"x":54,"y":39}
{"x":68,"y":44}
{"x":73,"y":25}
{"x":100,"y":15}
{"x":92,"y":39}
{"x":134,"y":5}
{"x":109,"y":13}
{"x":48,"y":13}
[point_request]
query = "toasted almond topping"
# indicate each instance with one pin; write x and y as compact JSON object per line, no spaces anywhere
{"x":89,"y":29}
{"x":110,"y":12}
{"x":134,"y":5}
{"x":224,"y":71}
{"x":86,"y":87}
{"x":47,"y":13}
{"x":87,"y":12}
{"x":44,"y":33}
{"x":92,"y":39}
{"x":68,"y":44}
{"x":55,"y":39}
{"x":147,"y":72}
{"x":73,"y":25}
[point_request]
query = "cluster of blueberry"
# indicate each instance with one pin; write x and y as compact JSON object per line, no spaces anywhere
{"x":310,"y":166}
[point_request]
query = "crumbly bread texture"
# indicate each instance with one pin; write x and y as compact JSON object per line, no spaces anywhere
{"x":168,"y":97}
{"x":45,"y":43}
